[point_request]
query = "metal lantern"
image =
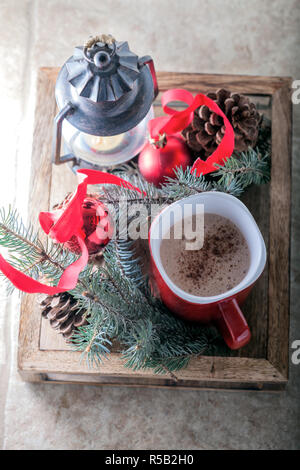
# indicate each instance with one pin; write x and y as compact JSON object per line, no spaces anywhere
{"x":104,"y":93}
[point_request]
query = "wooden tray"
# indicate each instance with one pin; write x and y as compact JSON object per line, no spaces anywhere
{"x":43,"y":355}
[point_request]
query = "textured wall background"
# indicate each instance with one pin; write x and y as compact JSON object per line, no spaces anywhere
{"x":220,"y":36}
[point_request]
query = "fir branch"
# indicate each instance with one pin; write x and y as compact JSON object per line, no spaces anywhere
{"x":151,"y":337}
{"x":247,"y":168}
{"x":15,"y":236}
{"x":184,"y":184}
{"x":26,"y":251}
{"x":122,"y":255}
{"x":98,"y":344}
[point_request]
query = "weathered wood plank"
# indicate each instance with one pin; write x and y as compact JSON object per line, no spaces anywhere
{"x":256,"y":307}
{"x":41,"y":170}
{"x":280,"y":220}
{"x":239,"y":83}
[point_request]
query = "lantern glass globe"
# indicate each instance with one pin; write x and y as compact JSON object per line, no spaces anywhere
{"x":106,"y":151}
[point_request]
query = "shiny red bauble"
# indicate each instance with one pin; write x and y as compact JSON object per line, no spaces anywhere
{"x":156,"y":163}
{"x":97,"y":227}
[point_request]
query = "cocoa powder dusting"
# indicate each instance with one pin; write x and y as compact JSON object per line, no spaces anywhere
{"x":218,"y":266}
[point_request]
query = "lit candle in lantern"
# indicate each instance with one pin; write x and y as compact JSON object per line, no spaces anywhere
{"x":104,"y":93}
{"x":103,"y":144}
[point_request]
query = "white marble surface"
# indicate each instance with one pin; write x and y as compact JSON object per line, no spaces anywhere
{"x":219,"y":36}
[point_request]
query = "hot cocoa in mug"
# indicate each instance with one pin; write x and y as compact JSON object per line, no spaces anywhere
{"x":209,"y":283}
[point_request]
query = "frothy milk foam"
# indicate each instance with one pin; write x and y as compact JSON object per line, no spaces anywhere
{"x":218,"y":266}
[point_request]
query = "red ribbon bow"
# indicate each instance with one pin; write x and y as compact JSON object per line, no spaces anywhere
{"x":62,"y":226}
{"x":179,"y":120}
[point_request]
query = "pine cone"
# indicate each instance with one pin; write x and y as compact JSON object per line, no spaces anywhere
{"x":64,"y":313}
{"x":207,"y":129}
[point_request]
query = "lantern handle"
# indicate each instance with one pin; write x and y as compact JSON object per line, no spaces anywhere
{"x":147,"y":60}
{"x":57,"y":134}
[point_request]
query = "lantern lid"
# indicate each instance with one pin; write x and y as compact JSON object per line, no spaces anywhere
{"x":109,"y":87}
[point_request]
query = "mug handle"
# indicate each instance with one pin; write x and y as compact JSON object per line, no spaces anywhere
{"x":232,"y":324}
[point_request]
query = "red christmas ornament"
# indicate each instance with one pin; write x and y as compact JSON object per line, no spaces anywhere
{"x":97,"y":227}
{"x":159,"y":158}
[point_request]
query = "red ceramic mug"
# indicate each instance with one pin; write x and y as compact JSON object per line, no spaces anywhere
{"x":222,"y":310}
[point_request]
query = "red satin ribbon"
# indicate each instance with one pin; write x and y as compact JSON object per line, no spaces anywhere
{"x":62,"y":226}
{"x":179,"y":120}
